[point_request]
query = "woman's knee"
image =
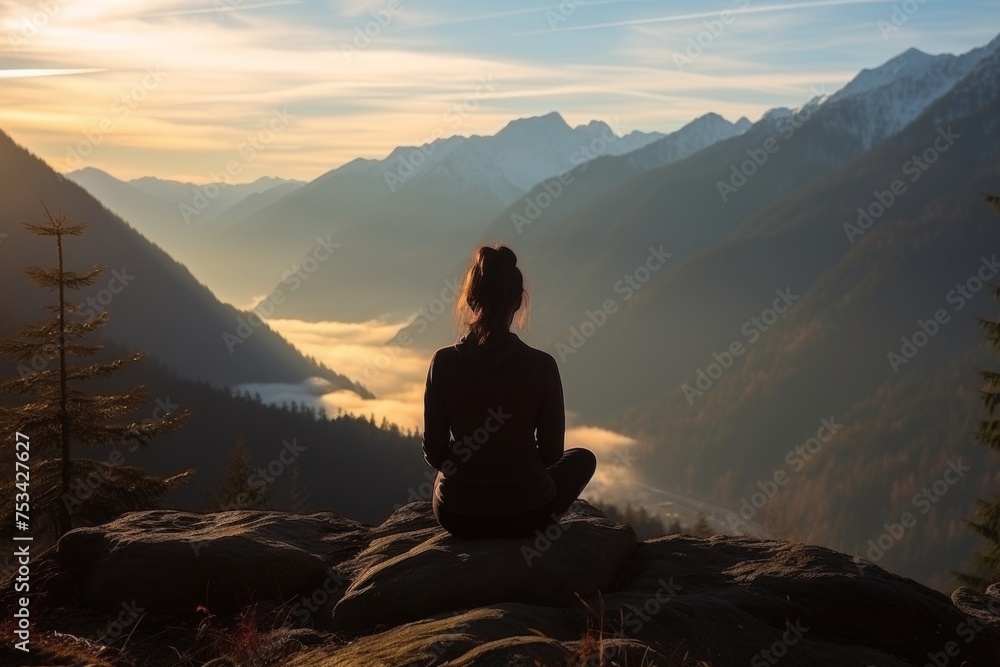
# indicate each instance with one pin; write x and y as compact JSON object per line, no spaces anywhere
{"x":585,"y":459}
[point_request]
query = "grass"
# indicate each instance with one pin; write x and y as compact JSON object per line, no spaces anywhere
{"x":602,"y":646}
{"x":65,"y":636}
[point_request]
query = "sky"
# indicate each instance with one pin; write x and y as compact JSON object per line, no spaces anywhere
{"x":232,"y":90}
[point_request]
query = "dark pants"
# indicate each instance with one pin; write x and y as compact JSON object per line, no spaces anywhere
{"x":571,"y":473}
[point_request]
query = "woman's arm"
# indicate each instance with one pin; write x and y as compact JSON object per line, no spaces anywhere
{"x":551,"y":427}
{"x":437,"y":431}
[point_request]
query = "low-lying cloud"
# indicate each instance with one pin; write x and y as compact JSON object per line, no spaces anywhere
{"x":349,"y":348}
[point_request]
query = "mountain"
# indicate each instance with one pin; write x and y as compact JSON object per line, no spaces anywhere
{"x":185,"y":219}
{"x":252,"y":203}
{"x":401,"y":231}
{"x":328,"y":452}
{"x":697,"y":135}
{"x":640,"y":289}
{"x":155,"y":303}
{"x":847,"y":347}
{"x":524,"y":153}
{"x":578,"y":248}
{"x":182,"y":202}
{"x":888,"y":98}
{"x":208,"y":200}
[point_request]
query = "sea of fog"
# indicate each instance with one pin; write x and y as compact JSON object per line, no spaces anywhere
{"x":355,"y":349}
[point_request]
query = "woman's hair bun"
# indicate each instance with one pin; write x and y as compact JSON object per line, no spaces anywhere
{"x":493,"y":289}
{"x":507,"y":254}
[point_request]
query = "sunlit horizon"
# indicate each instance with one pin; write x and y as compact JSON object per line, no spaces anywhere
{"x":179,"y":90}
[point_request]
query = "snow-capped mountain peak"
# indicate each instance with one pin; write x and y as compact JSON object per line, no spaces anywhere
{"x":907,"y":63}
{"x":879,"y":102}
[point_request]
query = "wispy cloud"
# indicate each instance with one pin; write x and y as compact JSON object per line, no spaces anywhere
{"x":221,"y":8}
{"x":223,"y":78}
{"x":692,"y":16}
{"x":493,"y":16}
{"x":33,"y":73}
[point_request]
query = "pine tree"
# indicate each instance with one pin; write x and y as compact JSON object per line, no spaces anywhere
{"x":298,"y":494}
{"x":986,"y":521}
{"x":241,"y":488}
{"x":58,"y":414}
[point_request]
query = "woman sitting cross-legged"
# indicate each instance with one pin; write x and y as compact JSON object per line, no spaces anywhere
{"x":494,"y":419}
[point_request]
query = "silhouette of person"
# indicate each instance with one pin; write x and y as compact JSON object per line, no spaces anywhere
{"x":494,"y":419}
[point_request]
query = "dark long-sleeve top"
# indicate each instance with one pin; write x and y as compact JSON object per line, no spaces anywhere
{"x":494,"y":419}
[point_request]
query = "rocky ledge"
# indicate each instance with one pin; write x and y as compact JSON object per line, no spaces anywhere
{"x":268,"y":588}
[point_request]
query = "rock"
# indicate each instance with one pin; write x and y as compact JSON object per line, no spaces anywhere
{"x":427,"y":571}
{"x":407,"y":593}
{"x":163,"y":561}
{"x":984,"y":607}
{"x":740,"y":596}
{"x":521,"y":630}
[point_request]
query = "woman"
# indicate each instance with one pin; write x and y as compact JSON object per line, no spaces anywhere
{"x":494,"y":419}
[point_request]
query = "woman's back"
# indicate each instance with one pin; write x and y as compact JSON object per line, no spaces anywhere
{"x":494,"y":419}
{"x":492,"y":398}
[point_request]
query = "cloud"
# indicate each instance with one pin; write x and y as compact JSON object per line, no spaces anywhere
{"x":222,"y":6}
{"x":356,"y":350}
{"x":493,"y":16}
{"x":227,"y":73}
{"x":32,"y":73}
{"x":690,"y":16}
{"x":350,"y":348}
